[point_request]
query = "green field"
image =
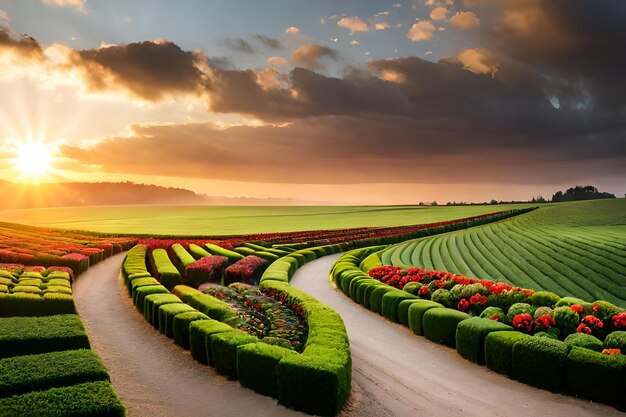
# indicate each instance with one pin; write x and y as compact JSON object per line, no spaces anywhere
{"x":223,"y":220}
{"x":576,"y":249}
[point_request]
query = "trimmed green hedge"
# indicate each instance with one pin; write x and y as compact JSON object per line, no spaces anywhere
{"x":152,"y":303}
{"x":140,"y":294}
{"x":135,"y":261}
{"x":376,"y":298}
{"x":32,"y":335}
{"x":22,"y":374}
{"x":167,"y":313}
{"x":499,"y":350}
{"x":229,"y":254}
{"x":540,"y":362}
{"x":26,"y":304}
{"x":224,"y":350}
{"x":595,"y":376}
{"x":391,"y":304}
{"x":180,"y":327}
{"x":439,"y":325}
{"x":140,"y":282}
{"x":211,"y":306}
{"x":198,"y":252}
{"x":616,"y":340}
{"x":200,"y":332}
{"x":256,"y":366}
{"x":166,"y":272}
{"x":416,"y":314}
{"x":583,"y":340}
{"x":90,"y":399}
{"x":183,"y":256}
{"x":471,"y":334}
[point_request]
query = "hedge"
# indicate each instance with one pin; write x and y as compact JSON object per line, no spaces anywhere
{"x":166,"y":272}
{"x":197,"y":252}
{"x":200,"y":332}
{"x":183,"y":256}
{"x":376,"y":298}
{"x":152,"y":303}
{"x":616,"y":340}
{"x":135,"y":261}
{"x":271,"y":257}
{"x":499,"y":350}
{"x":540,"y":362}
{"x":95,"y":399}
{"x":256,"y":366}
{"x":583,"y":340}
{"x":141,"y":293}
{"x":180,"y":327}
{"x":224,"y":350}
{"x":244,"y":251}
{"x":247,"y":270}
{"x":22,"y":374}
{"x":439,"y":325}
{"x":140,"y":282}
{"x":416,"y":314}
{"x":596,"y":376}
{"x":211,"y":306}
{"x":32,"y":335}
{"x":220,"y":251}
{"x":471,"y":334}
{"x":391,"y":303}
{"x":403,"y":310}
{"x":167,"y":313}
{"x":207,"y":269}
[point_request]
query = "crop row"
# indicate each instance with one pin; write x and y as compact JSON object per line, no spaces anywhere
{"x":436,"y":304}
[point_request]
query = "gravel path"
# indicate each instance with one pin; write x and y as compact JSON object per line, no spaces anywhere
{"x":396,"y":373}
{"x":153,"y":376}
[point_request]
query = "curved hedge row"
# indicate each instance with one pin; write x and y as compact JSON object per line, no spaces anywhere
{"x":561,"y":366}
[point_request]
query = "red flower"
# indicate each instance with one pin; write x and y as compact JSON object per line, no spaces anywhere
{"x":495,"y":317}
{"x":593,"y":322}
{"x":545,"y":322}
{"x":440,"y":283}
{"x":523,"y":322}
{"x":611,"y":351}
{"x":582,"y":328}
{"x":596,"y":307}
{"x":619,"y":320}
{"x":423,"y":291}
{"x":577,"y":308}
{"x":463,"y":305}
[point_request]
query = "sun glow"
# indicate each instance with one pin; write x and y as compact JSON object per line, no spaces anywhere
{"x":34,"y":159}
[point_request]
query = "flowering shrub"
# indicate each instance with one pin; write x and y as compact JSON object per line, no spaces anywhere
{"x":523,"y":322}
{"x":611,"y":351}
{"x":544,"y":322}
{"x":247,"y":270}
{"x":207,"y":269}
{"x":619,"y":320}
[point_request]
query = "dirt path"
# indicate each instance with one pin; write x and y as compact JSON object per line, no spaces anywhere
{"x":152,"y":375}
{"x":396,"y":373}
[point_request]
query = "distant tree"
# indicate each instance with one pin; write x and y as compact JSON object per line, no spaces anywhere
{"x":493,"y":202}
{"x":421,"y":203}
{"x":579,"y":192}
{"x":434,"y":203}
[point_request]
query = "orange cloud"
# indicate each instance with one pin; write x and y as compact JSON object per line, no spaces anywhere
{"x":464,"y":20}
{"x":74,"y":4}
{"x":421,"y":31}
{"x":476,"y":60}
{"x":354,"y":24}
{"x":438,"y":13}
{"x":310,"y":56}
{"x":292,"y":30}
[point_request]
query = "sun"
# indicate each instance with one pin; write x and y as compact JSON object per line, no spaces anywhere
{"x":34,"y":159}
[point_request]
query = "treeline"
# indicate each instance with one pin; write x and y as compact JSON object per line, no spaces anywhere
{"x":579,"y":192}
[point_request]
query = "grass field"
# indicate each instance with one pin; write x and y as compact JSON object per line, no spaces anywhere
{"x":576,"y":249}
{"x":222,"y":220}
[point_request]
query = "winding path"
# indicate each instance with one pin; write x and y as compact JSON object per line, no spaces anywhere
{"x":153,"y":376}
{"x":396,"y":373}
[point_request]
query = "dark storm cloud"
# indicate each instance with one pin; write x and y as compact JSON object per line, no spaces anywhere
{"x":23,"y":45}
{"x":150,"y":70}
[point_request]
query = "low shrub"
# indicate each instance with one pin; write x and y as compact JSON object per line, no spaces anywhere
{"x":135,"y":261}
{"x":152,"y":303}
{"x":540,"y":362}
{"x":198,"y":252}
{"x":86,"y":399}
{"x":596,"y":376}
{"x":403,"y":310}
{"x":270,"y":257}
{"x":32,"y":335}
{"x":26,"y":304}
{"x":439,"y":325}
{"x":544,"y":299}
{"x":247,"y":270}
{"x":493,"y":313}
{"x":141,"y":293}
{"x":391,"y":302}
{"x":140,"y":282}
{"x":569,"y":301}
{"x":166,"y":272}
{"x":256,"y":367}
{"x":199,"y":333}
{"x":180,"y":327}
{"x":167,"y":313}
{"x":22,"y":374}
{"x":183,"y":256}
{"x":376,"y":298}
{"x":232,"y":256}
{"x":207,"y":269}
{"x":471,"y":334}
{"x":584,"y":340}
{"x":211,"y":306}
{"x":224,"y":350}
{"x":499,"y":350}
{"x":616,"y":340}
{"x":416,"y":313}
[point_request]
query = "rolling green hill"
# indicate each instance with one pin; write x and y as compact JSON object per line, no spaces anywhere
{"x":576,"y":249}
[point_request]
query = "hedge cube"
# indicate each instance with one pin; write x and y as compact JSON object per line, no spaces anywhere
{"x":391,"y":302}
{"x":224,"y":351}
{"x":167,"y":313}
{"x":499,"y":350}
{"x":471,"y":334}
{"x":180,"y":327}
{"x":256,"y":367}
{"x":152,"y":303}
{"x":540,"y":362}
{"x":140,"y":282}
{"x":584,"y":340}
{"x":439,"y":325}
{"x":416,"y":314}
{"x":376,"y":298}
{"x":200,"y":332}
{"x":616,"y":340}
{"x":141,"y":293}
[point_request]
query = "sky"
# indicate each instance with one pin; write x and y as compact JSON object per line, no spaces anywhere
{"x":348,"y":101}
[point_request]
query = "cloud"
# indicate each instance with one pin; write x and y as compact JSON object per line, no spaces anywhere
{"x":354,"y":24}
{"x":4,"y":16}
{"x":151,"y":70}
{"x":73,"y":4}
{"x":276,"y":61}
{"x":23,"y":46}
{"x":354,"y":42}
{"x":381,"y":26}
{"x":421,"y":31}
{"x":438,"y":13}
{"x":476,"y":60}
{"x":292,"y":30}
{"x":310,"y":56}
{"x":464,"y":20}
{"x":269,"y":42}
{"x":239,"y":45}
